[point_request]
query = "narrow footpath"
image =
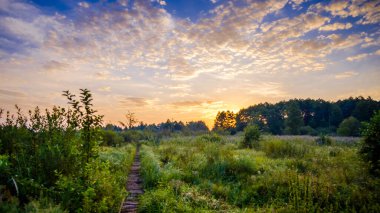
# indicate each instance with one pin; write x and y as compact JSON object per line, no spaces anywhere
{"x":134,"y":186}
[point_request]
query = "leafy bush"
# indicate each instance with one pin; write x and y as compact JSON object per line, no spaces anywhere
{"x":111,"y":138}
{"x":308,"y":130}
{"x":251,"y":137}
{"x":370,"y":149}
{"x":349,"y":127}
{"x":212,"y":137}
{"x":55,"y":154}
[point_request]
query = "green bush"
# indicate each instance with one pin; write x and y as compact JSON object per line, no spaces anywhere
{"x":349,"y":127}
{"x":370,"y":149}
{"x":212,"y":137}
{"x":111,"y":138}
{"x":55,"y":154}
{"x":251,"y":137}
{"x":308,"y":130}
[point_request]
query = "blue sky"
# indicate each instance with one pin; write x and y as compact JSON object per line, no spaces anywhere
{"x":187,"y":60}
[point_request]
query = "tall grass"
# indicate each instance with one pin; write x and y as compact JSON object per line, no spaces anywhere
{"x":281,"y":174}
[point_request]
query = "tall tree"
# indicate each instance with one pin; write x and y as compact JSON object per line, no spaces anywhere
{"x":294,"y":120}
{"x":225,"y":120}
{"x":335,"y":115}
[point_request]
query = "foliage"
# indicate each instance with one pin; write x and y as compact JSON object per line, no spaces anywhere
{"x":349,"y":127}
{"x":322,"y":116}
{"x":251,"y":137}
{"x":225,"y":120}
{"x":284,"y":174}
{"x":111,"y":138}
{"x":308,"y":130}
{"x":131,"y":120}
{"x":370,"y":149}
{"x":212,"y":137}
{"x":294,"y":119}
{"x":55,"y":155}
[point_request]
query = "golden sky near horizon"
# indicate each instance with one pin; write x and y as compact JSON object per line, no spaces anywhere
{"x":186,"y":60}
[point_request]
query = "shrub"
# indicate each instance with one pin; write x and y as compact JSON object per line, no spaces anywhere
{"x":111,"y":138}
{"x":212,"y":137}
{"x":371,"y":145}
{"x":308,"y":130}
{"x":251,"y":137}
{"x":349,"y":127}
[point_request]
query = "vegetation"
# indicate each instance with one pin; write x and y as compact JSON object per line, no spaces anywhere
{"x":284,"y":174}
{"x":371,"y":144}
{"x":251,"y":137}
{"x":52,"y":161}
{"x":64,"y":160}
{"x":303,"y":116}
{"x":349,"y":127}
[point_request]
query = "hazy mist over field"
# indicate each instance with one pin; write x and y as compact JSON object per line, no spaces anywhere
{"x":186,"y":60}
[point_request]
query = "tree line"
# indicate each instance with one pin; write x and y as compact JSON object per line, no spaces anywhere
{"x":301,"y":116}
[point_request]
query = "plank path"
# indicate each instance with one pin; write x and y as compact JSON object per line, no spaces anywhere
{"x":134,"y":186}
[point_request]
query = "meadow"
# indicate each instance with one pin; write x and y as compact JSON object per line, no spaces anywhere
{"x":212,"y":173}
{"x":64,"y":160}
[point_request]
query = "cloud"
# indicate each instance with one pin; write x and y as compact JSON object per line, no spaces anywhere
{"x":136,"y":101}
{"x":105,"y":89}
{"x":13,"y":93}
{"x":54,"y":66}
{"x":269,"y":89}
{"x":347,"y":74}
{"x":173,"y":58}
{"x":358,"y":57}
{"x":367,"y":10}
{"x":187,"y":103}
{"x":162,"y":3}
{"x":362,"y":56}
{"x":84,"y":4}
{"x":336,"y":26}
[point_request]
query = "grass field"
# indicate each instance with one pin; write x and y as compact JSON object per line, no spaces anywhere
{"x":282,"y":174}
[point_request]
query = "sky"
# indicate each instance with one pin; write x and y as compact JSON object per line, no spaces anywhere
{"x":186,"y":59}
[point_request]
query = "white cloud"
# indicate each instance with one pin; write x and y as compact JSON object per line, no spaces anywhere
{"x":358,"y":57}
{"x":336,"y":26}
{"x":345,"y":75}
{"x":84,"y":4}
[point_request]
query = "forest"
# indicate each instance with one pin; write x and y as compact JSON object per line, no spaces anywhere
{"x":283,"y":157}
{"x":292,"y":117}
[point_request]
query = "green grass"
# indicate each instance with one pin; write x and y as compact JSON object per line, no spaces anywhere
{"x":209,"y":173}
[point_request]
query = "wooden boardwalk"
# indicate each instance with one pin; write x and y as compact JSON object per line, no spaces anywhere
{"x":134,"y":186}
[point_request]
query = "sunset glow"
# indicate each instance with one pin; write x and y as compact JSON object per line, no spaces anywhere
{"x":186,"y":59}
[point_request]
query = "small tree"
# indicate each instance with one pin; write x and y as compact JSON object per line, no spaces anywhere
{"x":251,"y":136}
{"x":370,"y":149}
{"x":349,"y":127}
{"x":131,"y":120}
